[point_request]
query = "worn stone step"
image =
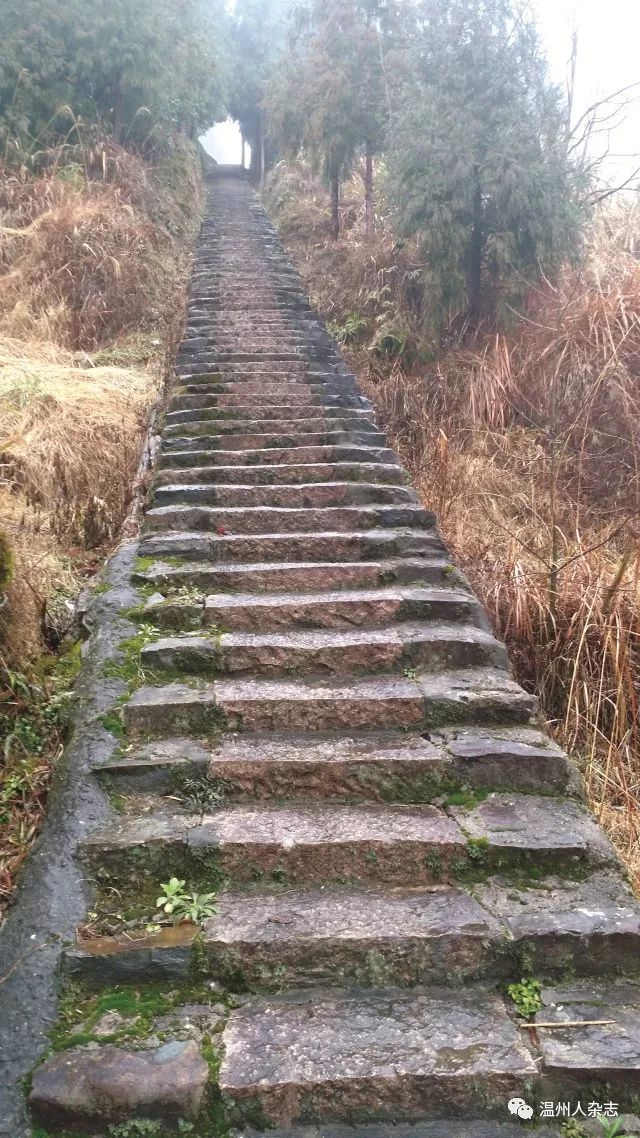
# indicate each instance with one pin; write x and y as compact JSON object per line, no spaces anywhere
{"x":295,"y":457}
{"x":336,"y":935}
{"x":283,"y":475}
{"x":274,"y":520}
{"x":83,"y":1088}
{"x":232,"y":426}
{"x":392,"y":1056}
{"x":373,"y":937}
{"x":286,"y":416}
{"x":608,"y":1056}
{"x":270,"y":576}
{"x":440,"y":1129}
{"x":330,"y":434}
{"x":358,"y":608}
{"x":313,"y":494}
{"x":473,"y":695}
{"x":361,"y":766}
{"x":436,"y":645}
{"x":322,"y":842}
{"x":325,"y":546}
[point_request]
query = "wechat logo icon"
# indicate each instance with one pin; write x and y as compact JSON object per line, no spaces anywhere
{"x":519,"y":1107}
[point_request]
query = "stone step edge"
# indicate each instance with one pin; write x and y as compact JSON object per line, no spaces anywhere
{"x":456,"y":933}
{"x":393,"y":767}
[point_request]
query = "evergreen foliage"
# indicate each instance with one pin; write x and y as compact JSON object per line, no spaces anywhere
{"x":477,"y":156}
{"x":257,"y":35}
{"x":327,"y":96}
{"x":133,"y":68}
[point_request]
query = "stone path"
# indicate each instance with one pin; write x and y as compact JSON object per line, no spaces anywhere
{"x":330,"y":733}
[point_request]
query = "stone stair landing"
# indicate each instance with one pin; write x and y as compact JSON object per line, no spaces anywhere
{"x":325,"y":732}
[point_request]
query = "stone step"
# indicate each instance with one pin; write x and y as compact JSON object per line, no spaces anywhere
{"x":276,"y":438}
{"x":270,"y":576}
{"x":311,"y":494}
{"x":358,"y":608}
{"x":345,"y":936}
{"x":327,"y":842}
{"x":325,"y":546}
{"x":426,"y":1054}
{"x":280,"y":521}
{"x":194,"y":456}
{"x":437,"y":645}
{"x":282,"y":474}
{"x":285,"y":396}
{"x":366,"y":766}
{"x":473,"y":695}
{"x":334,"y":935}
{"x":440,"y":1129}
{"x":396,"y":1055}
{"x":227,"y":421}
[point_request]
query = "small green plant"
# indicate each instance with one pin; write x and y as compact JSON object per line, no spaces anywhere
{"x":183,"y":906}
{"x":137,"y":1128}
{"x":526,"y":997}
{"x":349,"y":332}
{"x":611,"y":1127}
{"x":572,"y":1129}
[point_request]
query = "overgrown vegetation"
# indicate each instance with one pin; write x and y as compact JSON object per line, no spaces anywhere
{"x":100,"y":195}
{"x":525,"y":442}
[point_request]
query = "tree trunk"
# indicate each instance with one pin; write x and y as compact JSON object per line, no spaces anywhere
{"x":369,"y":219}
{"x":335,"y":206}
{"x":243,"y":159}
{"x":474,"y":287}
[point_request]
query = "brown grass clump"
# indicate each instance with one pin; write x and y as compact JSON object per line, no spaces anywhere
{"x":94,"y":258}
{"x":527,"y":444}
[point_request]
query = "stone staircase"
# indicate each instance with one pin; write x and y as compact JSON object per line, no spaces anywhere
{"x":327,"y":733}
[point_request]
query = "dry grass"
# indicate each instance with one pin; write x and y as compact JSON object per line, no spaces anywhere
{"x":94,"y":258}
{"x":527,"y":445}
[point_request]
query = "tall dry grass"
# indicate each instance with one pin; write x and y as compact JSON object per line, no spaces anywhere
{"x":527,"y":444}
{"x":94,"y":259}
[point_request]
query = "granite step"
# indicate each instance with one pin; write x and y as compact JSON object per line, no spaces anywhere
{"x":329,"y":434}
{"x":313,"y":494}
{"x":283,"y":520}
{"x":467,"y":696}
{"x":270,"y":576}
{"x":325,"y":546}
{"x":408,"y":845}
{"x":283,"y":474}
{"x":228,"y":421}
{"x":194,"y":456}
{"x":360,"y":766}
{"x":357,"y":608}
{"x":437,"y":645}
{"x":375,"y":937}
{"x":426,"y":1055}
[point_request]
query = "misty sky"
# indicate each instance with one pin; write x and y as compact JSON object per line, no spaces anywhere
{"x":608,"y":58}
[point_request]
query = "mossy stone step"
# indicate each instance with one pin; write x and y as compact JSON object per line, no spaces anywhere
{"x":322,"y":842}
{"x":269,"y":577}
{"x":327,"y":652}
{"x":365,"y":766}
{"x":281,"y":474}
{"x":322,"y":545}
{"x":312,"y":495}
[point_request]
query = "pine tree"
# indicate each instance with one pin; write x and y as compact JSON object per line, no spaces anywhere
{"x":258,"y":33}
{"x":327,"y":94}
{"x":477,"y":162}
